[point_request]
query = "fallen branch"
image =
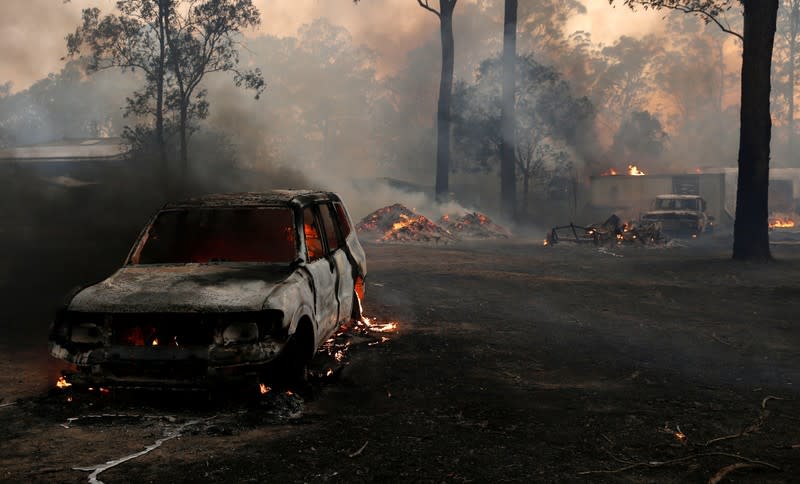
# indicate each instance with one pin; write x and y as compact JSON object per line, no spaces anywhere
{"x":655,"y":464}
{"x":718,"y":340}
{"x":359,"y":451}
{"x":754,"y":427}
{"x":720,"y":474}
{"x":96,"y":470}
{"x":768,"y":398}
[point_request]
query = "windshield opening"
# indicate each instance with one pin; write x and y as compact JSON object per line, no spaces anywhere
{"x":677,"y":204}
{"x":205,"y":235}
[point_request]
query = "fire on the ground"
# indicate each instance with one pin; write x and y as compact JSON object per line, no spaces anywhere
{"x":611,"y":232}
{"x":781,"y":222}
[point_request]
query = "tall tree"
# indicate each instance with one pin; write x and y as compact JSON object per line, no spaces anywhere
{"x":445,"y":15}
{"x":787,"y":41}
{"x":175,"y":43}
{"x":133,"y":40}
{"x":549,"y":121}
{"x":508,"y":183}
{"x":202,"y":39}
{"x":751,"y":231}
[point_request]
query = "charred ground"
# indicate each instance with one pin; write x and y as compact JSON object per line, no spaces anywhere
{"x":512,"y":362}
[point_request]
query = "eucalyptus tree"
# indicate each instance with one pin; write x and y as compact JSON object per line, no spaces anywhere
{"x":751,"y":230}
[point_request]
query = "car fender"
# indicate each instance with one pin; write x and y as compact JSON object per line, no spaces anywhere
{"x":295,"y":298}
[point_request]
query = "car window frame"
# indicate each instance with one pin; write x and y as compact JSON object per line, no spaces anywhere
{"x":346,"y":219}
{"x":318,"y":223}
{"x":340,"y":242}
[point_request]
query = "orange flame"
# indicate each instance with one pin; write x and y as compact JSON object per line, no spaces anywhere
{"x":781,"y":223}
{"x":634,"y":170}
{"x":155,"y":342}
{"x":379,"y":328}
{"x":609,"y":172}
{"x":63,"y":383}
{"x":264,"y":389}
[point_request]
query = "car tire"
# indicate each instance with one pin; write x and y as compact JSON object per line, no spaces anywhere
{"x":294,"y":360}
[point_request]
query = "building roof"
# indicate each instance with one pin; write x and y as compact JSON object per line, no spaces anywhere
{"x":69,"y":150}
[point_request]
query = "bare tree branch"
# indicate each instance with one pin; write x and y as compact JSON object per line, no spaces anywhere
{"x":424,"y":4}
{"x":708,"y":16}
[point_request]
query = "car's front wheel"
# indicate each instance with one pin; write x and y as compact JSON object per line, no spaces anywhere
{"x":293,"y":362}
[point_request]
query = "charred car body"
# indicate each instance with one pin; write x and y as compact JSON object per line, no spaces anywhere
{"x":218,"y":289}
{"x":679,"y":215}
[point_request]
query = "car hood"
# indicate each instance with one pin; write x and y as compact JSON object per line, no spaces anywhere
{"x":182,"y":288}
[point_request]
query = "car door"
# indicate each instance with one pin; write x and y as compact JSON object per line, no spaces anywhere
{"x":337,"y":253}
{"x":323,"y":272}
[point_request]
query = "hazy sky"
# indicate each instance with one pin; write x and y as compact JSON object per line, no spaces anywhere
{"x":32,"y":31}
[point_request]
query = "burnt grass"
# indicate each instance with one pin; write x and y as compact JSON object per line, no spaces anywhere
{"x":511,"y":362}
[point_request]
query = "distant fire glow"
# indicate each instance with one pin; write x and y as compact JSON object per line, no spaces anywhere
{"x":781,"y":223}
{"x":63,"y":383}
{"x":609,"y":172}
{"x":634,"y":170}
{"x":264,"y":389}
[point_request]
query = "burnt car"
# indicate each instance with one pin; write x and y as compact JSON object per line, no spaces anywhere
{"x":218,"y":289}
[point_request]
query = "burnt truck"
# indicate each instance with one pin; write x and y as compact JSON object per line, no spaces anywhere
{"x":679,"y":215}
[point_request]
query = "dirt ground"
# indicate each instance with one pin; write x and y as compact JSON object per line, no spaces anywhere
{"x":511,"y":362}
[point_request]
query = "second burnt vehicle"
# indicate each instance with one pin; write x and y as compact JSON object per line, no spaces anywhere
{"x":218,"y":289}
{"x":679,"y":215}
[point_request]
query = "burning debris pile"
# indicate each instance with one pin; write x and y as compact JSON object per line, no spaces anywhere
{"x":398,"y":223}
{"x":778,"y":221}
{"x":474,"y":225}
{"x":783,"y":229}
{"x":611,"y":232}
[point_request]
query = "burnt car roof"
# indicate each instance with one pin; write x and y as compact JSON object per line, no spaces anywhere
{"x":255,"y":199}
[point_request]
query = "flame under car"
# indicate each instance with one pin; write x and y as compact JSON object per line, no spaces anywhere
{"x":218,"y":289}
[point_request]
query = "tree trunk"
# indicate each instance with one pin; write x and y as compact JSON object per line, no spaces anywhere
{"x":184,"y":141}
{"x":508,"y":177}
{"x":794,"y":18}
{"x":721,"y":93}
{"x":445,"y":92}
{"x":162,"y":56}
{"x":750,"y":234}
{"x":526,"y":183}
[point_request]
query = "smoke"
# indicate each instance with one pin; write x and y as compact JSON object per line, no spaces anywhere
{"x":350,"y":106}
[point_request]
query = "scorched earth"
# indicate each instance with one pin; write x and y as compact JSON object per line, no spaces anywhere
{"x":510,"y":362}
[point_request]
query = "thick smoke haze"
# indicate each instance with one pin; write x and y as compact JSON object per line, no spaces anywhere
{"x":351,"y":92}
{"x":33,"y":31}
